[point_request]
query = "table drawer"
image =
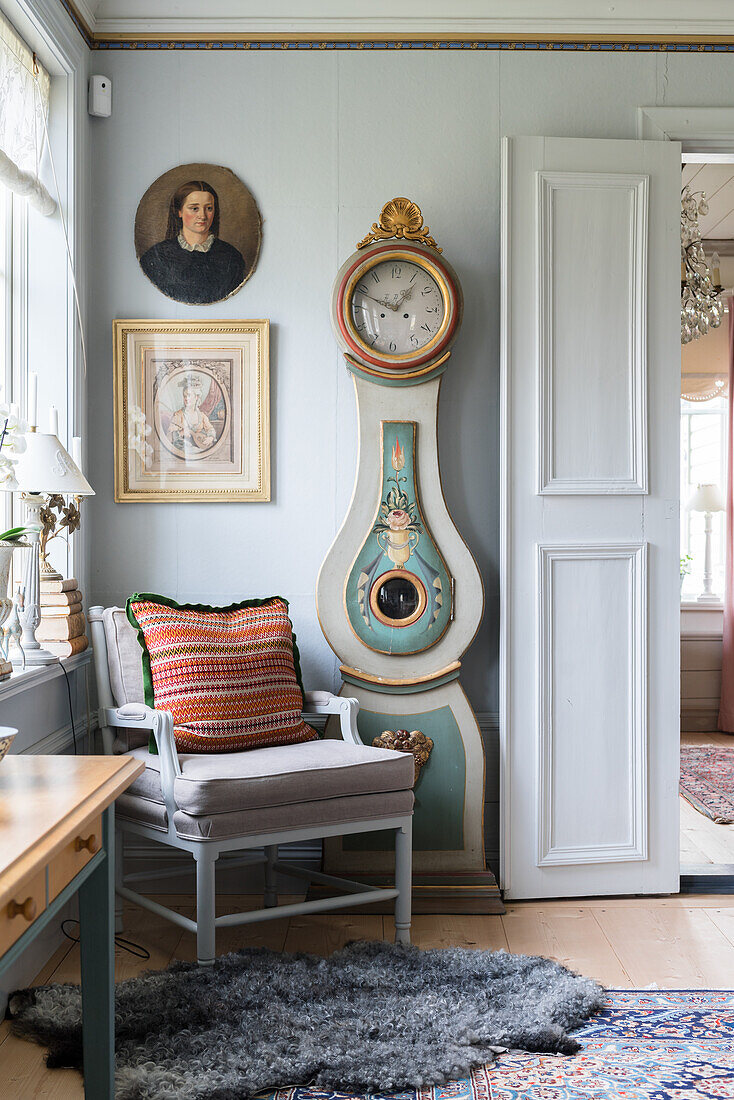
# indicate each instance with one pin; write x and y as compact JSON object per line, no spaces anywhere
{"x":74,"y":856}
{"x":17,"y":915}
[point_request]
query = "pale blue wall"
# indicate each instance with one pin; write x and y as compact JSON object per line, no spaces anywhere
{"x":323,"y":140}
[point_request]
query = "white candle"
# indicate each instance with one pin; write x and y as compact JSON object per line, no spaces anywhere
{"x":32,"y":399}
{"x":53,"y":421}
{"x":76,"y":450}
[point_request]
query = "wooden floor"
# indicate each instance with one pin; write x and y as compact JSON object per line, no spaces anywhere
{"x":702,"y":841}
{"x":681,"y":942}
{"x":677,"y":943}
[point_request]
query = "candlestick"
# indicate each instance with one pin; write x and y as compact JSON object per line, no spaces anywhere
{"x":53,"y":421}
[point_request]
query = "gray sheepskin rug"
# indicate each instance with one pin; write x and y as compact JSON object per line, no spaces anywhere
{"x":372,"y":1017}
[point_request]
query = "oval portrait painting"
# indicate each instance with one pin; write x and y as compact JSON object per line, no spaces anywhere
{"x":197,"y":233}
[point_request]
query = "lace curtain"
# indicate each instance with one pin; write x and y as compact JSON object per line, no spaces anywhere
{"x":24,"y":96}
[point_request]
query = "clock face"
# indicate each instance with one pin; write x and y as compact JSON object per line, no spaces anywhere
{"x":396,"y":307}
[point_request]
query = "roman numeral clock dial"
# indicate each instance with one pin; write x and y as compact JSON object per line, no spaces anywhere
{"x":399,"y":594}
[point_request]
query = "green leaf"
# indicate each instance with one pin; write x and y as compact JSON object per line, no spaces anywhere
{"x":13,"y":534}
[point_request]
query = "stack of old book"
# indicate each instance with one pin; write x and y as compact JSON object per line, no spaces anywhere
{"x":62,"y":629}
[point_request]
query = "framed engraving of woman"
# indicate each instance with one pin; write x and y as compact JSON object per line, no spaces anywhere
{"x":191,"y":411}
{"x":198,"y":233}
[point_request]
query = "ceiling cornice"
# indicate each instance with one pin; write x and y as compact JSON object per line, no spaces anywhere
{"x":571,"y":29}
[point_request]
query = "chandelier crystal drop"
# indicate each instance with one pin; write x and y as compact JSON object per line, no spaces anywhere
{"x":701,"y":307}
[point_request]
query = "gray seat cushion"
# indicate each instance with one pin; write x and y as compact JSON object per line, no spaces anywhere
{"x":273,"y":819}
{"x":215,"y":783}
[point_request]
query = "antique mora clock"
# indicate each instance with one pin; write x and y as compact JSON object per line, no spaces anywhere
{"x":399,"y":594}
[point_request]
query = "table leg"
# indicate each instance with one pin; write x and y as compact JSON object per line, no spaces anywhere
{"x":97,"y":943}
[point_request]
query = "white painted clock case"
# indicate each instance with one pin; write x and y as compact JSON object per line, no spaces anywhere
{"x":589,"y":677}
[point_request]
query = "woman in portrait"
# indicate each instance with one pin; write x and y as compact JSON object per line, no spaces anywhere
{"x":189,"y":429}
{"x":192,"y":264}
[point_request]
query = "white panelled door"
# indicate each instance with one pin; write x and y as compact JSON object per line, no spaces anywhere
{"x":590,"y":589}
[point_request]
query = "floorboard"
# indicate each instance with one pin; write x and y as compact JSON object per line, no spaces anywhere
{"x":674,"y":942}
{"x":570,"y":935}
{"x":676,"y":948}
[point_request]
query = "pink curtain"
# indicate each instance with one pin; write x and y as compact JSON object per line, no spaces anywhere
{"x":726,"y":706}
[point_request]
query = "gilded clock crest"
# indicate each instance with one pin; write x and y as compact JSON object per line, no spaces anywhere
{"x":402,"y":219}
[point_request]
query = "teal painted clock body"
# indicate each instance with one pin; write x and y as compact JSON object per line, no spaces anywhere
{"x":398,"y":592}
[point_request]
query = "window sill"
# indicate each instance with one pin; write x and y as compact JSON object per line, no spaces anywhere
{"x":694,"y":605}
{"x":34,"y":676}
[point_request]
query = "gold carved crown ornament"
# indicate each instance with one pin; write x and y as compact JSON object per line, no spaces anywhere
{"x":402,"y":219}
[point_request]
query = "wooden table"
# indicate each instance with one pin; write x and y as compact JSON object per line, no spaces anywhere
{"x":57,"y":837}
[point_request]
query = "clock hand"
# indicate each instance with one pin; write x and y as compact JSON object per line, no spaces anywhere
{"x":385,"y":305}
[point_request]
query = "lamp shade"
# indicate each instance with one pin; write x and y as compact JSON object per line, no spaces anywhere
{"x":707,"y":498}
{"x":45,"y":466}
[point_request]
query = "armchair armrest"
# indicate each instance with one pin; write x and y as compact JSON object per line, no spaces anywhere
{"x":323,"y":702}
{"x":160,"y":723}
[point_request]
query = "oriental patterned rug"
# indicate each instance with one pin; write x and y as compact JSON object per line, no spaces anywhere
{"x":645,"y":1045}
{"x":707,"y":780}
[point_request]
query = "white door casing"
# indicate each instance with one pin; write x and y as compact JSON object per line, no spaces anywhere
{"x":589,"y":680}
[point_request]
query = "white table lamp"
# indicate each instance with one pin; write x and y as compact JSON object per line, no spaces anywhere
{"x":45,"y":467}
{"x":707,"y":499}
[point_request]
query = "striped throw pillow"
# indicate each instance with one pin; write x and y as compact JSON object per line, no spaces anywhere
{"x":229,"y":675}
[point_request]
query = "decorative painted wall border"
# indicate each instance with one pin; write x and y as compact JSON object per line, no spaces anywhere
{"x":611,"y":44}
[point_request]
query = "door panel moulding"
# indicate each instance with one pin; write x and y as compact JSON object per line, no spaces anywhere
{"x":621,"y":472}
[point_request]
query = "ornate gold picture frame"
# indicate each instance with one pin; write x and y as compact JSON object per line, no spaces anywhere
{"x":192,"y":411}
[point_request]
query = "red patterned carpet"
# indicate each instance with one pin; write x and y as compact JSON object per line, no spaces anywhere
{"x":707,"y":780}
{"x":647,"y":1045}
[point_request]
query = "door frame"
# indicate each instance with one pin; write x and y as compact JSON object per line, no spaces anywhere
{"x":707,"y":130}
{"x":706,"y":134}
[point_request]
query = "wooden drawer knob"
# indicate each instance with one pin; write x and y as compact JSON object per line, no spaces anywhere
{"x":90,"y":843}
{"x":25,"y":909}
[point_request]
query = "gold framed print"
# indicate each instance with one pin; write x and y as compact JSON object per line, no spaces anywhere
{"x":192,"y":410}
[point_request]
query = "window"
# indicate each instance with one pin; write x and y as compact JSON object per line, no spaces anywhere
{"x":703,"y":461}
{"x":6,"y":325}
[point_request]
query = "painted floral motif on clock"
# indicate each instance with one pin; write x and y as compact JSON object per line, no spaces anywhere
{"x":398,"y":593}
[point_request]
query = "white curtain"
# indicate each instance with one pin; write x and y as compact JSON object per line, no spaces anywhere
{"x":24,"y":95}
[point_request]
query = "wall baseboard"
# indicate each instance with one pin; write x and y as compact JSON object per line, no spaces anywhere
{"x":703,"y":719}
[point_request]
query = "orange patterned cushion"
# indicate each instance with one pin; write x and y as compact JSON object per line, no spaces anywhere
{"x":229,"y":675}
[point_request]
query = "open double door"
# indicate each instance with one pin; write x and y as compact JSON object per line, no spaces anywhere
{"x":590,"y":589}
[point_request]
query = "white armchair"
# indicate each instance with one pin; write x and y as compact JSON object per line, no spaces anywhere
{"x":213,"y":804}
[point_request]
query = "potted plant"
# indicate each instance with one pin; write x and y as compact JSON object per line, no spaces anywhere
{"x":685,"y":567}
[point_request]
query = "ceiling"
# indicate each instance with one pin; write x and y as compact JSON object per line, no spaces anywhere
{"x":661,"y":19}
{"x":717,"y":180}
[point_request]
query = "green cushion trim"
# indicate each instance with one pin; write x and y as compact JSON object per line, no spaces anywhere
{"x":166,"y":601}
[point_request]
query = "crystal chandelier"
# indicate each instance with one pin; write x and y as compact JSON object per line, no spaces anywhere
{"x":701,"y":307}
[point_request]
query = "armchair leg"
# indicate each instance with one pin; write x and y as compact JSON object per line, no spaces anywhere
{"x":119,"y":876}
{"x":270,"y":897}
{"x":403,"y":881}
{"x":205,"y":905}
